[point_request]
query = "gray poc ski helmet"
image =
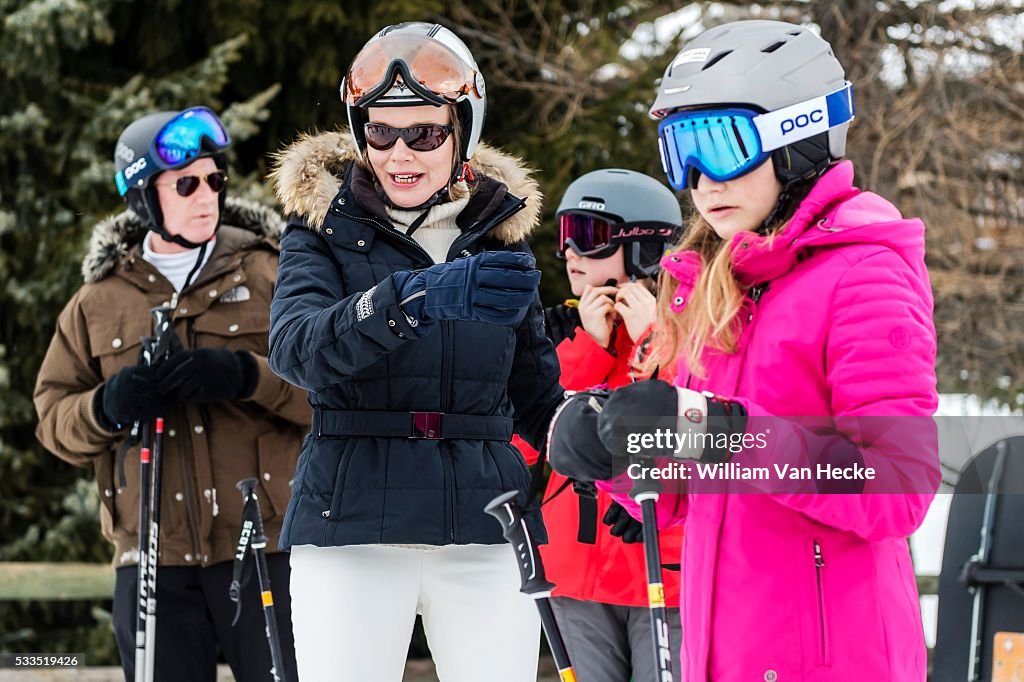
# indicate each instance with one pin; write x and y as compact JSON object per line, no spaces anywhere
{"x":413,"y":64}
{"x":605,"y":208}
{"x":166,"y":140}
{"x":772,"y":67}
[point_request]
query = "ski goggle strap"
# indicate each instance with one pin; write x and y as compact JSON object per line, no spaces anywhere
{"x":598,"y":236}
{"x":177,"y":143}
{"x":429,"y":68}
{"x":726,"y":143}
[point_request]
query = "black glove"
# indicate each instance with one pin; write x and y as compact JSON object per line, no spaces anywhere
{"x":574,"y":448}
{"x":131,"y":394}
{"x":206,"y":375}
{"x":622,"y":525}
{"x":641,"y":407}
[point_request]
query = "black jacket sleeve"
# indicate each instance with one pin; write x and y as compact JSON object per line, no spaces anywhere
{"x":320,"y":333}
{"x":534,"y":386}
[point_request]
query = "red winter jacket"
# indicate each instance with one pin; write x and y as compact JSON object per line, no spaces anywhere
{"x":608,"y":570}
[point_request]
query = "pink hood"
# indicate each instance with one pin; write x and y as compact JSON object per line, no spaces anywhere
{"x":786,"y":587}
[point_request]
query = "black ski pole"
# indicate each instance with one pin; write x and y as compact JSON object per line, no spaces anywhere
{"x":157,"y":351}
{"x":506,"y":510}
{"x":143,"y":595}
{"x":645,"y":492}
{"x":980,"y":560}
{"x":252,"y":534}
{"x":161,"y":345}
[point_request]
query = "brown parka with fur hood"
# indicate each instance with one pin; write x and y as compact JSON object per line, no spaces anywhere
{"x":207,"y":448}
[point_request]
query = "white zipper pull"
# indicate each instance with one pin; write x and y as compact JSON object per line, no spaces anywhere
{"x":216,"y":508}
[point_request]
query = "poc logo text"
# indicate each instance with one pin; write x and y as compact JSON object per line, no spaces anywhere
{"x":788,"y":125}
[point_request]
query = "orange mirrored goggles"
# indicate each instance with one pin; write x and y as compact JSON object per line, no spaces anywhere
{"x":426,"y":66}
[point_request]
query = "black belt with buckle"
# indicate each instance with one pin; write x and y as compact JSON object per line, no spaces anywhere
{"x":428,"y":425}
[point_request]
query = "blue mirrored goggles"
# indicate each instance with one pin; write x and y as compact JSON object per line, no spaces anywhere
{"x":177,"y":144}
{"x":727,"y":143}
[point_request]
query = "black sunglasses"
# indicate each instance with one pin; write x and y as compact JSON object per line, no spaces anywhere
{"x":187,"y":185}
{"x":421,"y":138}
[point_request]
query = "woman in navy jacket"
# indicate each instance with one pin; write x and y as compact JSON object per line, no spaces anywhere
{"x":406,"y":305}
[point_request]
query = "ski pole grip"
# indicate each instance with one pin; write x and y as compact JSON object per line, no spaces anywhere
{"x":506,"y":511}
{"x":644,"y":486}
{"x":246,"y":485}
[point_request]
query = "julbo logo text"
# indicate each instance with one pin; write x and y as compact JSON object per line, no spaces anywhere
{"x":801,"y":121}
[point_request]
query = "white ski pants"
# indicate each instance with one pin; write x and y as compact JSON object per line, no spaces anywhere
{"x":353,"y":611}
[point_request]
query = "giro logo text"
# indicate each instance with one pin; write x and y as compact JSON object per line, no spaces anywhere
{"x":801,"y":121}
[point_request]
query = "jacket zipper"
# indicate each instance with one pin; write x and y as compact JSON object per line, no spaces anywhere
{"x":819,"y":565}
{"x":446,"y":454}
{"x":755,"y":296}
{"x":187,"y":471}
{"x":191,"y":503}
{"x":409,"y":241}
{"x":465,"y":239}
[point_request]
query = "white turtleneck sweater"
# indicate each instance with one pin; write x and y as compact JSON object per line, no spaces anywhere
{"x":176,"y":266}
{"x":438,"y":230}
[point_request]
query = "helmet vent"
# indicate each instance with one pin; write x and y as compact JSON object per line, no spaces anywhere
{"x":717,"y":58}
{"x":773,"y":47}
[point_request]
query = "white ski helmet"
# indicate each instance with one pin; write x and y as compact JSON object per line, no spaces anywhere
{"x":412,"y":64}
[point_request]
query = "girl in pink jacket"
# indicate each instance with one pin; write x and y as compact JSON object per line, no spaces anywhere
{"x":793,"y":295}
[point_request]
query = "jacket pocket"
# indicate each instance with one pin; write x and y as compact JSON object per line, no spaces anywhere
{"x":278,"y":451}
{"x":348,"y":446}
{"x":104,"y":466}
{"x":824,"y":653}
{"x":227,"y":327}
{"x":116,"y":344}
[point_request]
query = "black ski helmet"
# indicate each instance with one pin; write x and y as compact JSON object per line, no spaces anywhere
{"x":149,"y":146}
{"x":643,"y":214}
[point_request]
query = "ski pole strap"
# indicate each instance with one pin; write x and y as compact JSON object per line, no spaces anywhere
{"x":586,"y":493}
{"x":428,"y":425}
{"x":250,"y":525}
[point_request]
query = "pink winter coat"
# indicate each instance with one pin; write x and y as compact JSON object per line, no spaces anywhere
{"x":804,"y":587}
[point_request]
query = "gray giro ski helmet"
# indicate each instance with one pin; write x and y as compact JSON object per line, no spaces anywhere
{"x":412,"y":64}
{"x":605,"y":208}
{"x":771,"y":67}
{"x":166,"y":140}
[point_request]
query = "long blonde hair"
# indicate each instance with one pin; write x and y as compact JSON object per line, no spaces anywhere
{"x":710,"y":319}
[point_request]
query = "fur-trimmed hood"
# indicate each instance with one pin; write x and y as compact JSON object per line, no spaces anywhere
{"x":308,"y":173}
{"x":113,"y":237}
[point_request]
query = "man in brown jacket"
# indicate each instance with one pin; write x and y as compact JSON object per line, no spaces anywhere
{"x":227,"y":417}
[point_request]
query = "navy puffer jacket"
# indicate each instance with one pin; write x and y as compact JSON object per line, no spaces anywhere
{"x":337,"y":331}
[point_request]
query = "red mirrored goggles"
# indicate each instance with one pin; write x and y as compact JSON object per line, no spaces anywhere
{"x":597,"y":236}
{"x":428,"y":67}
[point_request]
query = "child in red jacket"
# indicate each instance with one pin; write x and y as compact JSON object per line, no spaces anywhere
{"x":613,"y":228}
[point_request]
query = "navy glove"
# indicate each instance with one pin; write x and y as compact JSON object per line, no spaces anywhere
{"x":622,"y":525}
{"x":206,"y":375}
{"x":493,"y":286}
{"x":131,"y":394}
